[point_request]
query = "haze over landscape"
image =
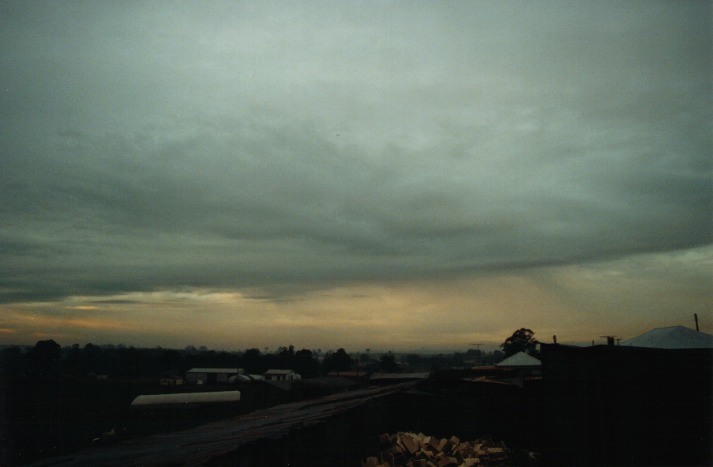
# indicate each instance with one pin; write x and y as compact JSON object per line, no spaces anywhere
{"x":390,"y":175}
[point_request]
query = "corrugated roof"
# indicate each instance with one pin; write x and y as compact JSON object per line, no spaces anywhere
{"x":674,"y":337}
{"x":520,"y":359}
{"x":279,"y":372}
{"x":347,"y":373}
{"x":403,"y":376}
{"x":485,"y":379}
{"x":187,"y":398}
{"x":213,"y":370}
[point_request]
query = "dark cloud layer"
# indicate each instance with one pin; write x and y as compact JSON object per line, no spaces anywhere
{"x":282,"y":147}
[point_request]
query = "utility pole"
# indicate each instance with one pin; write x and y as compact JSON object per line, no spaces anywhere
{"x":695,"y":317}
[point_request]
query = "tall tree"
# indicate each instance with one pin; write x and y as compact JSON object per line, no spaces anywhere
{"x":305,"y":364}
{"x":521,"y":340}
{"x":387,"y":363}
{"x":337,"y":361}
{"x":44,"y":359}
{"x":253,"y":361}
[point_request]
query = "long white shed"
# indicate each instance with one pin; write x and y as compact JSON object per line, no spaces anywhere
{"x":185,"y":398}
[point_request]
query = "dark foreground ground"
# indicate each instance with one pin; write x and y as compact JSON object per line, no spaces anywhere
{"x":593,"y":406}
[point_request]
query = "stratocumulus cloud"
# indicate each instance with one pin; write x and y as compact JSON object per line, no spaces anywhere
{"x":279,"y":149}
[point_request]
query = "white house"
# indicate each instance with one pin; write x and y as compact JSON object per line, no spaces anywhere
{"x":281,"y":375}
{"x":520,"y":360}
{"x":526,"y":366}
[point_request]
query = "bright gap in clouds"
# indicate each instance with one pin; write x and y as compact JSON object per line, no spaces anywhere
{"x":577,"y":303}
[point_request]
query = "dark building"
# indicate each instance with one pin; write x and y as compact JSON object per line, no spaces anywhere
{"x":619,"y":405}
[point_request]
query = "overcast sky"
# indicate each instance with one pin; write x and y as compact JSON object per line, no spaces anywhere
{"x":353,"y":174}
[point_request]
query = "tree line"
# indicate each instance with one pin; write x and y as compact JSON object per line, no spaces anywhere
{"x":47,"y":359}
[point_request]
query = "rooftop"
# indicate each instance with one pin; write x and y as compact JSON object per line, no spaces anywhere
{"x":520,"y":359}
{"x":674,"y":337}
{"x":187,"y":398}
{"x":213,"y":370}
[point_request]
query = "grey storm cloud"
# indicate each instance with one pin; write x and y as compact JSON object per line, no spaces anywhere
{"x":280,"y":146}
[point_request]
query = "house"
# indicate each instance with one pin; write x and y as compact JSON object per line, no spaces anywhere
{"x":170,"y":378}
{"x":526,"y":367}
{"x":281,"y":375}
{"x":520,"y":360}
{"x":211,"y":375}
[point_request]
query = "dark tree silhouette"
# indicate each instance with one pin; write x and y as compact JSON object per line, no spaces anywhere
{"x":521,"y":340}
{"x":284,"y":358}
{"x":305,"y":364}
{"x":337,"y":361}
{"x":44,"y":359}
{"x":387,"y":363}
{"x":253,"y":361}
